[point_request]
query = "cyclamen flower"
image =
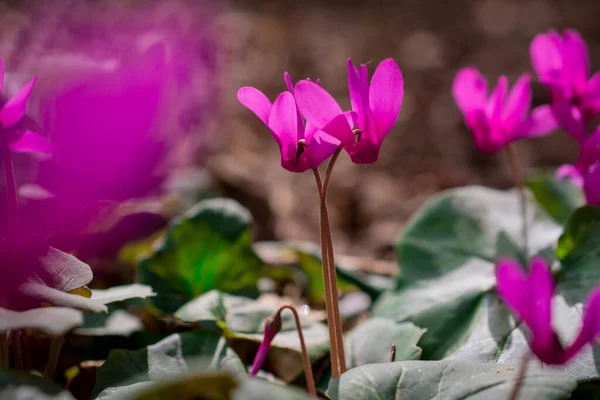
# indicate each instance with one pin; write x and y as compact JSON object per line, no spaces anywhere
{"x":503,"y":117}
{"x":19,"y":139}
{"x":302,"y":146}
{"x":586,"y":172}
{"x":562,"y":64}
{"x":272,"y":327}
{"x":529,"y":296}
{"x":377,"y":107}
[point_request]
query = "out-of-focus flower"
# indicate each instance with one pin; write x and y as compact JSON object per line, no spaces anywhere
{"x":529,"y":296}
{"x":20,"y":140}
{"x":562,"y":64}
{"x":272,"y":327}
{"x":302,"y":146}
{"x":376,"y":105}
{"x":503,"y":117}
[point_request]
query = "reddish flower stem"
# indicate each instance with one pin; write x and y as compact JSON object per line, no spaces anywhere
{"x":513,"y":160}
{"x":329,"y":299}
{"x":331,"y":263}
{"x":56,"y":343}
{"x":519,"y":381}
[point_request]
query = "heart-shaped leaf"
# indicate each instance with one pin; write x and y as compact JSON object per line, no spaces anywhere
{"x":209,"y":247}
{"x":448,"y":380}
{"x":243,"y":321}
{"x":447,"y":278}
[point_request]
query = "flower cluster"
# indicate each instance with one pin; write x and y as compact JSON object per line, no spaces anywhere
{"x":309,"y":125}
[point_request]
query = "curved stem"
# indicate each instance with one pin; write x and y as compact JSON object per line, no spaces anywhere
{"x":518,"y":182}
{"x":519,"y":381}
{"x":331,"y":262}
{"x":56,"y":343}
{"x":16,"y":341}
{"x":310,"y":380}
{"x":329,"y":299}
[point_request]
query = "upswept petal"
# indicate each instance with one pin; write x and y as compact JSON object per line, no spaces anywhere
{"x":14,"y":109}
{"x":283,"y":124}
{"x":541,"y":122}
{"x":355,"y":90}
{"x":255,"y":101}
{"x":340,"y":129}
{"x":288,"y":82}
{"x":321,"y":147}
{"x":590,"y":328}
{"x":518,"y":103}
{"x":546,"y":57}
{"x":31,"y":142}
{"x":570,"y":119}
{"x":1,"y":75}
{"x":316,"y":104}
{"x":541,"y":288}
{"x":570,"y":172}
{"x":512,"y":287}
{"x":470,"y":90}
{"x":591,"y":97}
{"x":495,"y":104}
{"x":385,"y":96}
{"x":576,"y":55}
{"x":591,"y":184}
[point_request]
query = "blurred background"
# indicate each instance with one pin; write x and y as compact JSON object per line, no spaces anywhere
{"x":189,"y":133}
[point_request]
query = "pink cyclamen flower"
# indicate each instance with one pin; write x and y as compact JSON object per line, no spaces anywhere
{"x":529,"y":296}
{"x":502,"y":117}
{"x":20,"y":139}
{"x":377,"y":106}
{"x":302,"y":146}
{"x":586,"y":172}
{"x":562,"y":64}
{"x":272,"y":327}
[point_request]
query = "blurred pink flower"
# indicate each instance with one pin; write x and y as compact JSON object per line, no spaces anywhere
{"x":377,"y":107}
{"x":20,"y":139}
{"x":562,"y":64}
{"x":529,"y":296}
{"x":503,"y":117}
{"x":272,"y":327}
{"x":302,"y":146}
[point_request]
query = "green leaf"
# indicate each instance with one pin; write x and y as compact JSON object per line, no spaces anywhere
{"x":447,"y":277}
{"x":117,"y":323}
{"x":168,"y":358}
{"x":209,"y":386}
{"x":209,"y":247}
{"x":24,"y":386}
{"x":447,"y":380}
{"x":243,"y":322}
{"x":560,"y":198}
{"x":370,"y":342}
{"x":53,"y":320}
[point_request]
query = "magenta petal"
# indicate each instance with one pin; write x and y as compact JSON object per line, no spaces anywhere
{"x":591,"y":184}
{"x":576,"y":55}
{"x":339,"y":128}
{"x":316,"y":104}
{"x":14,"y":109}
{"x":288,"y":82}
{"x":591,"y":96}
{"x":469,"y":90}
{"x":546,"y":57}
{"x":321,"y":147}
{"x":385,"y":96}
{"x":355,"y":89}
{"x":283,"y":121}
{"x":540,"y":292}
{"x":590,"y":328}
{"x":541,"y":122}
{"x":1,"y":75}
{"x":31,"y":142}
{"x":255,"y":101}
{"x":571,"y":173}
{"x":518,"y":103}
{"x":495,"y":104}
{"x":512,"y":287}
{"x":570,"y":119}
